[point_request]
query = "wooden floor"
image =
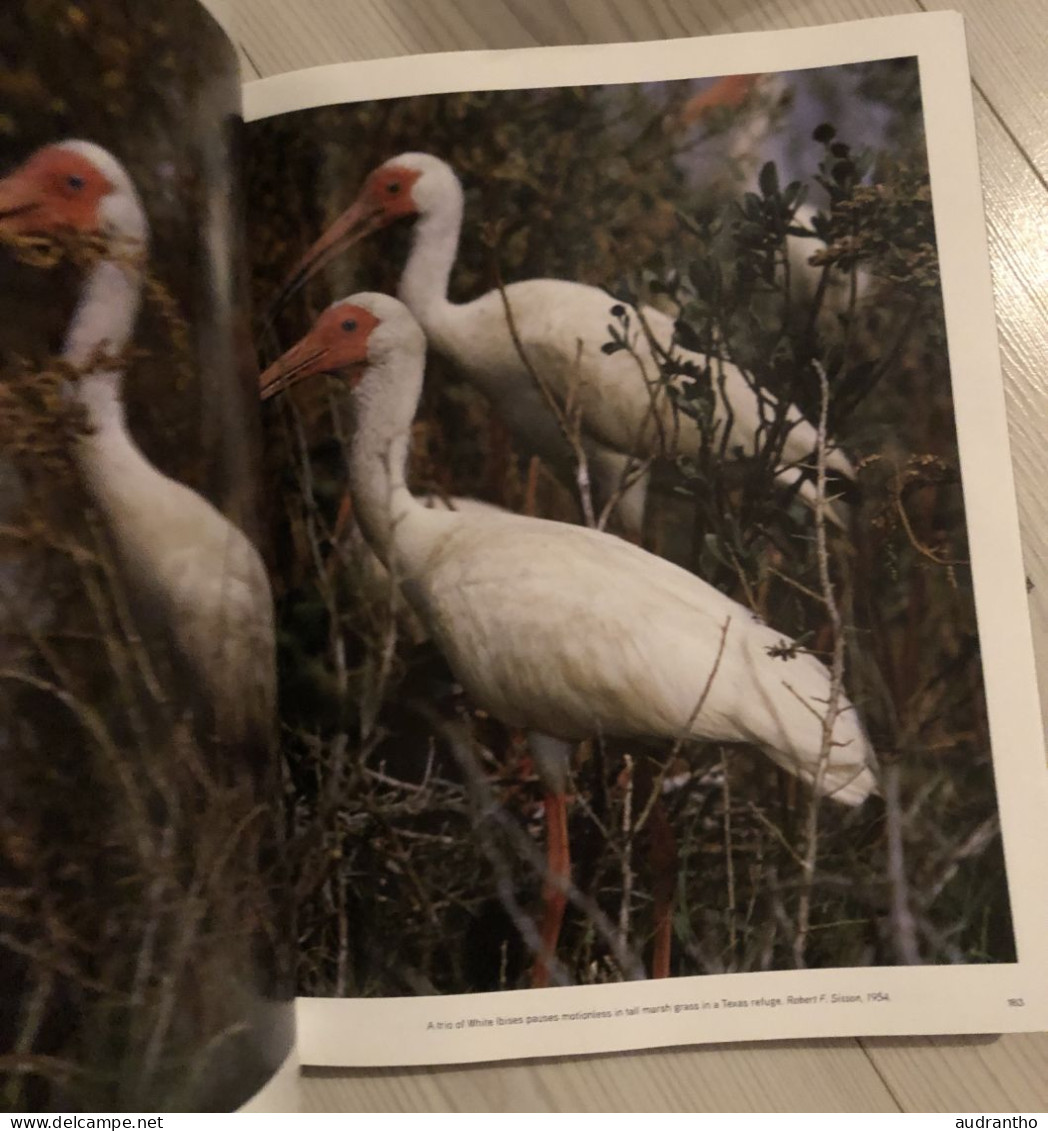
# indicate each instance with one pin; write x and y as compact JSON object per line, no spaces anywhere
{"x":1009,"y":61}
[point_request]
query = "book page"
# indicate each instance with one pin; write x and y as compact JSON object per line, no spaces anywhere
{"x":144,"y":937}
{"x":655,"y":669}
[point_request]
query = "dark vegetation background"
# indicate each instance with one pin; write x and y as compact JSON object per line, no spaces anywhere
{"x":416,"y":823}
{"x":139,"y":933}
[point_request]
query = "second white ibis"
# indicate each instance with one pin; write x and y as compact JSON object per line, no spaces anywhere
{"x":627,"y":417}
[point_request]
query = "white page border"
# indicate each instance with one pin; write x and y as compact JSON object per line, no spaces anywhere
{"x":931,"y":999}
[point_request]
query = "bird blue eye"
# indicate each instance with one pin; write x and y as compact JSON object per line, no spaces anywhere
{"x":75,"y":182}
{"x":349,"y":325}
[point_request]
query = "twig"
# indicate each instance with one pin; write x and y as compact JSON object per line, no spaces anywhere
{"x":312,"y":520}
{"x":685,"y":733}
{"x":915,"y":542}
{"x":342,"y":958}
{"x":904,"y":926}
{"x":568,"y":427}
{"x":627,"y":853}
{"x":796,"y":584}
{"x":34,"y":1012}
{"x":776,"y":832}
{"x":728,"y":854}
{"x":95,"y":726}
{"x":653,"y":386}
{"x":833,"y":703}
{"x":488,"y":811}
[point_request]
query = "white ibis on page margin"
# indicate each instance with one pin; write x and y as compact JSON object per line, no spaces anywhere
{"x":188,"y":562}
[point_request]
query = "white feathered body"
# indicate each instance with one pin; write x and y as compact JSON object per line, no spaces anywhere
{"x":372,"y":583}
{"x":575,"y":633}
{"x":624,"y":411}
{"x":189,"y":568}
{"x":197,"y":569}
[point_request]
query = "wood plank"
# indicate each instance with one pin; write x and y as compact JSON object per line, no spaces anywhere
{"x":609,"y":21}
{"x":1017,"y":218}
{"x":965,"y":1073}
{"x":248,"y":70}
{"x":782,"y":1076}
{"x":281,"y":37}
{"x":1008,"y":49}
{"x":1009,"y":53}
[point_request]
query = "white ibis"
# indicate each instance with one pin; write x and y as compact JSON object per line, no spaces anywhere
{"x":561,"y":630}
{"x":728,"y":93}
{"x":186,"y":562}
{"x":771,"y":117}
{"x":561,"y":328}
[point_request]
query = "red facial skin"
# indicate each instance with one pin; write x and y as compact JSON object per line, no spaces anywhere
{"x":55,"y":189}
{"x":728,"y":93}
{"x":386,"y":196}
{"x":337,"y":342}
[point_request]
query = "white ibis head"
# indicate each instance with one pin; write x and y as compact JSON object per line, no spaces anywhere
{"x":403,"y":187}
{"x":72,"y":186}
{"x":352,"y":335}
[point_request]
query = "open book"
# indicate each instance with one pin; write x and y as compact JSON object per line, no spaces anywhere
{"x":515,"y":550}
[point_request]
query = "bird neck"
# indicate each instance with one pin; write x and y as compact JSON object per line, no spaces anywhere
{"x":386,"y":400}
{"x":424,"y":283}
{"x":105,"y":315}
{"x":98,"y":334}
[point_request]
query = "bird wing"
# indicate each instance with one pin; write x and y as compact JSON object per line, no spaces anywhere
{"x":562,"y":328}
{"x":222,"y":612}
{"x":574,"y":632}
{"x":745,"y":411}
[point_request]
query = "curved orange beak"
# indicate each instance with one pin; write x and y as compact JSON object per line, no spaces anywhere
{"x":337,"y":342}
{"x":727,"y":93}
{"x":19,"y":200}
{"x":305,"y":358}
{"x":359,"y":220}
